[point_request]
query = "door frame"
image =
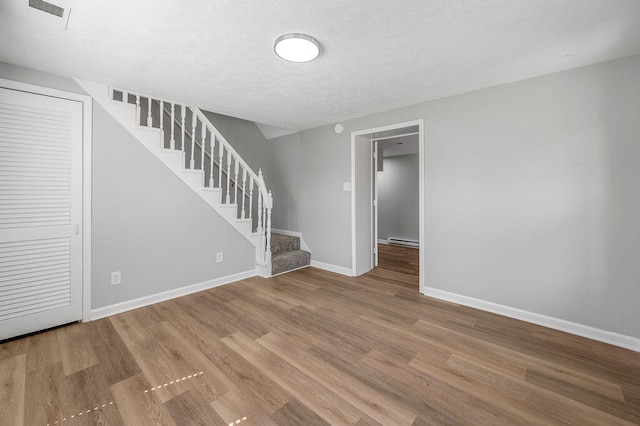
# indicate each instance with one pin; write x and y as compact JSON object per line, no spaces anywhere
{"x":421,"y":196}
{"x":87,"y":142}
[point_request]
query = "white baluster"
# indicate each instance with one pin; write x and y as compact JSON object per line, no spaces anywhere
{"x":193,"y":138}
{"x":172,"y":142}
{"x":244,"y":183}
{"x":228,"y":176}
{"x":259,"y":209}
{"x":183,"y":110}
{"x":203,"y":149}
{"x":235,"y":181}
{"x":149,"y":117}
{"x":264,"y":217}
{"x":212,"y":145}
{"x":264,"y":231}
{"x":138,"y":110}
{"x":269,"y":205}
{"x":220,"y":165}
{"x":251,"y":201}
{"x":161,"y":106}
{"x":125,"y":96}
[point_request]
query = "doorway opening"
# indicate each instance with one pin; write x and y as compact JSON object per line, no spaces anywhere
{"x":401,"y":218}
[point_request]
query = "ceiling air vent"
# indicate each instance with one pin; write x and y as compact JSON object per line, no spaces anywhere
{"x":49,"y":8}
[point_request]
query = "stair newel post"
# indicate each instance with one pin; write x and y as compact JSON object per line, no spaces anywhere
{"x":264,"y":230}
{"x":251,"y":200}
{"x":138,"y":110}
{"x":212,"y":144}
{"x":149,"y":117}
{"x":203,"y":149}
{"x":162,"y":123}
{"x":269,"y":204}
{"x":235,"y":180}
{"x":259,"y":209}
{"x":228,"y":176}
{"x":220,"y":166}
{"x":203,"y":152}
{"x":263,"y":240}
{"x":244,"y":184}
{"x":172,"y":141}
{"x":194,"y":122}
{"x":183,"y":112}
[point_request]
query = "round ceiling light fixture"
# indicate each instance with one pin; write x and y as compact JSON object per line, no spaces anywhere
{"x":296,"y":47}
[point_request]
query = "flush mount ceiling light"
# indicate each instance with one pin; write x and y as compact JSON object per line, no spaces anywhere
{"x":296,"y":47}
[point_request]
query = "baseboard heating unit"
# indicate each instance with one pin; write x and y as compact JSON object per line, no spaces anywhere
{"x":403,"y":242}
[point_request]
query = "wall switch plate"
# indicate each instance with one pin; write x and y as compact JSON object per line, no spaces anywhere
{"x":116,"y":278}
{"x":346,"y":186}
{"x":219,"y":257}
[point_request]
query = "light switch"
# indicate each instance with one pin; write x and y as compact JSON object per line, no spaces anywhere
{"x":346,"y":187}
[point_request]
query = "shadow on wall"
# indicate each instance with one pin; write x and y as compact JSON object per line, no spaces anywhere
{"x":398,"y":197}
{"x":617,"y":239}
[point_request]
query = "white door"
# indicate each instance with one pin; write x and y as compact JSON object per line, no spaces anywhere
{"x":40,"y":212}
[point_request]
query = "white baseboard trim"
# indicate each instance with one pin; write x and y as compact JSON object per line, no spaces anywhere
{"x":332,"y":268}
{"x":129,"y":305}
{"x":290,"y":270}
{"x":617,"y":339}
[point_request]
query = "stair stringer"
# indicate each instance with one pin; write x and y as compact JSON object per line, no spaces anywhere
{"x":152,"y":139}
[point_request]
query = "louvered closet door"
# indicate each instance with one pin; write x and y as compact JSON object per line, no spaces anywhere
{"x":40,"y":212}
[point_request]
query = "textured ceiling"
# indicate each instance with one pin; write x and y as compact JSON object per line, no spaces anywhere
{"x":376,"y":55}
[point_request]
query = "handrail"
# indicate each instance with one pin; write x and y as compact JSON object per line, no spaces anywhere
{"x":228,"y":147}
{"x":264,"y":196}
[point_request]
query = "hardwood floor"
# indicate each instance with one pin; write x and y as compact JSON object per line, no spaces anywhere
{"x":399,"y":259}
{"x":312,"y":348}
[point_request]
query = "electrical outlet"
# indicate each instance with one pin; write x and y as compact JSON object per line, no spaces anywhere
{"x":116,"y":278}
{"x":219,"y":257}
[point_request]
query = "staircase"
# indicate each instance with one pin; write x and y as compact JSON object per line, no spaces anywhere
{"x":286,"y":254}
{"x":189,"y":145}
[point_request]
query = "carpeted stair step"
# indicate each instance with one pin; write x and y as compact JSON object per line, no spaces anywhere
{"x":289,"y":261}
{"x":283,"y":243}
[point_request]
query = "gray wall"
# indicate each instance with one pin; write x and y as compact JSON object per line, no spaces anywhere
{"x":306,"y":172}
{"x":398,"y":193}
{"x":245,"y":137}
{"x":148,"y":224}
{"x":26,"y":75}
{"x":531,"y":196}
{"x":145,"y":221}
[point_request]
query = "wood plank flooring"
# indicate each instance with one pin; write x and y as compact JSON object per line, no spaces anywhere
{"x":314,"y":348}
{"x":399,"y":259}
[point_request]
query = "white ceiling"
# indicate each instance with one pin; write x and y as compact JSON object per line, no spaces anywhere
{"x":376,"y":54}
{"x":402,"y":145}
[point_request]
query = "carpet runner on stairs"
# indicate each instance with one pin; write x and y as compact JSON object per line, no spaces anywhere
{"x":286,"y":254}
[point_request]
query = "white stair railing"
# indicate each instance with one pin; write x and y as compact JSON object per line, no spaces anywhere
{"x":208,"y":151}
